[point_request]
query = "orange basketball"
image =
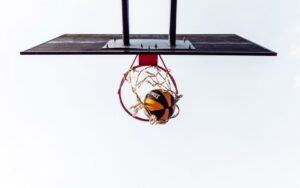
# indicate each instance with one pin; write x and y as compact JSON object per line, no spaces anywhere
{"x":161,"y":104}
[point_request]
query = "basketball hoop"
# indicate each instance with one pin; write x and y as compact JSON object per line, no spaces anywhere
{"x":158,"y":77}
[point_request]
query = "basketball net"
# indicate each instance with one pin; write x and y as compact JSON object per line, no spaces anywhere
{"x":154,"y":76}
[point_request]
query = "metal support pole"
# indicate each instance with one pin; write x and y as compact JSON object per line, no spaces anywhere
{"x":125,"y":19}
{"x":173,"y":17}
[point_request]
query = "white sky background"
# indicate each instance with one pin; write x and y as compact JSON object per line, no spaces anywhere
{"x":61,"y":124}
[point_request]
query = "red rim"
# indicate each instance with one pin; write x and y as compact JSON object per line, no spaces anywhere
{"x":165,"y":69}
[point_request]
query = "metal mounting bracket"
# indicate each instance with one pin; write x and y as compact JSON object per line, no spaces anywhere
{"x":150,"y":44}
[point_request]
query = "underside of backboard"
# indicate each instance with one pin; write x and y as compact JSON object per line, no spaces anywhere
{"x":95,"y":44}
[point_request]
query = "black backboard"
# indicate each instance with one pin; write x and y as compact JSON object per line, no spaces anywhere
{"x":94,"y":44}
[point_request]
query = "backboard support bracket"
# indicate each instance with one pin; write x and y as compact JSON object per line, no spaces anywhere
{"x":149,"y":44}
{"x":148,"y":59}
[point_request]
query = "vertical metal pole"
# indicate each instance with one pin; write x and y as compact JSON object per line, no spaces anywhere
{"x":173,"y":18}
{"x":125,"y":17}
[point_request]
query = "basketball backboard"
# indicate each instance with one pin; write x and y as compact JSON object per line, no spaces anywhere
{"x":93,"y":44}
